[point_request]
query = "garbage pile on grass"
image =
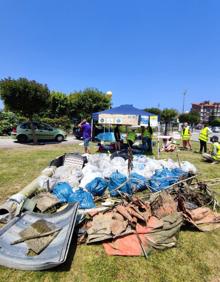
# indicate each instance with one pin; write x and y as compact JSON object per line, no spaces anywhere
{"x":105,"y":175}
{"x":105,"y":189}
{"x":135,"y":227}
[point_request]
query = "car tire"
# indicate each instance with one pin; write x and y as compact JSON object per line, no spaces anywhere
{"x":59,"y":138}
{"x":22,"y":138}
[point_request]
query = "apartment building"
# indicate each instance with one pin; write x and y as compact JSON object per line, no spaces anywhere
{"x":207,"y":110}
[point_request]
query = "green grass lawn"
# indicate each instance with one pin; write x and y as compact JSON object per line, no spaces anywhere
{"x":196,"y":257}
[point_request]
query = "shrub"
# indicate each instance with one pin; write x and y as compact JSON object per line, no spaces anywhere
{"x":8,"y":121}
{"x":61,"y":122}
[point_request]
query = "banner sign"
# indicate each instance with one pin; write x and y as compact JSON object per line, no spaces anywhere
{"x":153,"y":121}
{"x":118,"y":119}
{"x":144,"y":120}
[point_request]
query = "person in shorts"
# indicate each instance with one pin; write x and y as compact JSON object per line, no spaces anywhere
{"x":117,"y":138}
{"x":86,"y":134}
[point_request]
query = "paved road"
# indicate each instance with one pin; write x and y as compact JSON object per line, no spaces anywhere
{"x":8,"y":142}
{"x":195,"y":135}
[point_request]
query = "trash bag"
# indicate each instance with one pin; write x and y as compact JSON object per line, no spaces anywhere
{"x":65,"y":194}
{"x":188,"y":167}
{"x":89,"y":177}
{"x":165,"y":177}
{"x":137,"y":182}
{"x":117,"y":179}
{"x":97,"y":186}
{"x":62,"y":191}
{"x":84,"y":199}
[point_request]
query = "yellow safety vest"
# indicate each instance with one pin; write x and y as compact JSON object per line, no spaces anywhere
{"x":217,"y":155}
{"x":185,"y":134}
{"x":147,"y":133}
{"x":131,"y":136}
{"x":203,"y":135}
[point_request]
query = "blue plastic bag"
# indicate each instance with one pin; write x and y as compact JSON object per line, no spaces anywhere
{"x":137,"y":182}
{"x":164,"y":178}
{"x":65,"y":194}
{"x":116,"y":179}
{"x":97,"y":186}
{"x":84,"y":199}
{"x":62,"y":191}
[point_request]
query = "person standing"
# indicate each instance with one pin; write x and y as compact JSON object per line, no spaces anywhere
{"x":131,"y":137}
{"x":146,"y":136}
{"x":86,"y":134}
{"x":186,"y":135}
{"x":203,"y":138}
{"x":117,"y":138}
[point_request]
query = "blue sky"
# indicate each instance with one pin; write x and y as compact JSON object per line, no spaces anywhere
{"x":146,"y":52}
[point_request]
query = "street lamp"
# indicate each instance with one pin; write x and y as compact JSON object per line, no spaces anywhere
{"x":109,"y":95}
{"x":184,"y":95}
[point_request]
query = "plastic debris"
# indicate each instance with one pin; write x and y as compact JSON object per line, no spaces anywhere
{"x":84,"y":199}
{"x":97,"y":186}
{"x":118,"y":183}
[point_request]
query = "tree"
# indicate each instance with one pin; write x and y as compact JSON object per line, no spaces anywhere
{"x":168,"y":115}
{"x":184,"y":117}
{"x":155,"y":111}
{"x":215,"y":122}
{"x":25,"y":97}
{"x":192,"y":117}
{"x":84,"y":103}
{"x":58,"y":105}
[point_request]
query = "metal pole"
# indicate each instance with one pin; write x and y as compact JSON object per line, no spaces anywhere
{"x":184,"y":95}
{"x":158,"y":141}
{"x":92,"y":129}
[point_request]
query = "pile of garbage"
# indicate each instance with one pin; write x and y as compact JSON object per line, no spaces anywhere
{"x":41,"y":217}
{"x":103,"y":174}
{"x":72,"y":178}
{"x":135,"y":227}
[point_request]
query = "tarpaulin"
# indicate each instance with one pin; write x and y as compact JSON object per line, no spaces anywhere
{"x":160,"y":234}
{"x":204,"y":219}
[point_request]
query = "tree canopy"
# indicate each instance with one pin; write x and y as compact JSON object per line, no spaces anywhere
{"x":155,"y":111}
{"x":84,"y":103}
{"x":191,"y":117}
{"x":26,"y":97}
{"x":58,"y":105}
{"x":215,"y":122}
{"x":168,"y":115}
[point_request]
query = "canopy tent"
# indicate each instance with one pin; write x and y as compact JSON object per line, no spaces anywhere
{"x":126,"y":115}
{"x":122,"y":110}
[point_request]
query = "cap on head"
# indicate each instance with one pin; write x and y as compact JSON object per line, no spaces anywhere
{"x":214,"y":139}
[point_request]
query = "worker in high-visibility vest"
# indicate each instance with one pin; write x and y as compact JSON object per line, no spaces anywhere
{"x":131,"y":137}
{"x":203,"y":137}
{"x":146,"y":137}
{"x":186,"y":136}
{"x":214,"y":155}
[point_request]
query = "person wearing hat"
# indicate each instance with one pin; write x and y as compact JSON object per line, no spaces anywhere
{"x":203,"y":138}
{"x":214,"y":155}
{"x":186,"y":135}
{"x":131,"y":137}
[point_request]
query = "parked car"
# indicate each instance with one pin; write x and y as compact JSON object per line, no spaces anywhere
{"x":43,"y":131}
{"x":216,"y":129}
{"x":77,"y":132}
